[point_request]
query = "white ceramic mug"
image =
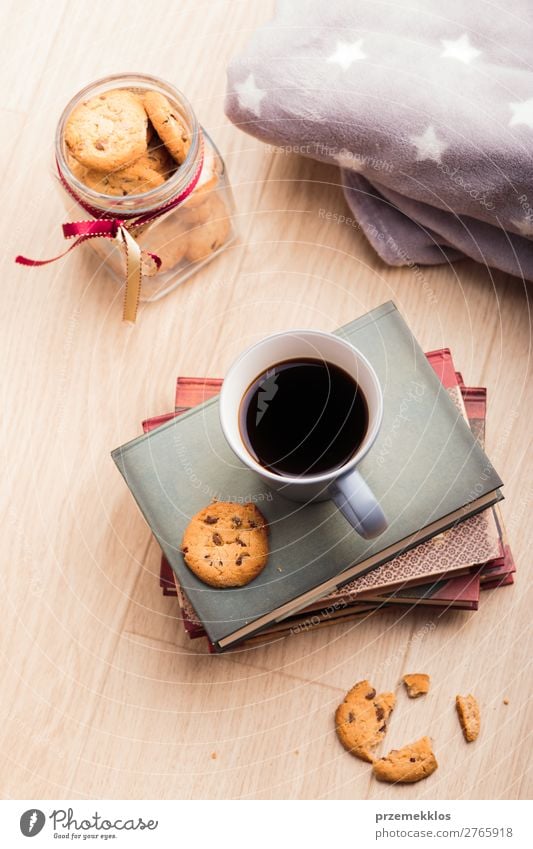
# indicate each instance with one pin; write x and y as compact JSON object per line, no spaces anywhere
{"x":344,"y":485}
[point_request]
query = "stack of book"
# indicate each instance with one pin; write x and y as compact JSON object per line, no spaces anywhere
{"x":446,"y":541}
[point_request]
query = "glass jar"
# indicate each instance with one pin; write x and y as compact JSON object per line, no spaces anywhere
{"x":185,"y":237}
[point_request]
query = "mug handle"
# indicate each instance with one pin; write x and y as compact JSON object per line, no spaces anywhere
{"x":358,"y":505}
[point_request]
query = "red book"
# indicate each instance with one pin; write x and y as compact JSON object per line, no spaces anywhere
{"x":499,"y":572}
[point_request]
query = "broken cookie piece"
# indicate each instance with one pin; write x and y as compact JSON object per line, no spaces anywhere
{"x":416,"y":684}
{"x":361,"y":719}
{"x":405,"y":766}
{"x":468,"y":713}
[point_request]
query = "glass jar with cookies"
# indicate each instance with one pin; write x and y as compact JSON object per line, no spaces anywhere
{"x":130,"y":149}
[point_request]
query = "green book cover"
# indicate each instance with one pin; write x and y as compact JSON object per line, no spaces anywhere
{"x":425,"y":467}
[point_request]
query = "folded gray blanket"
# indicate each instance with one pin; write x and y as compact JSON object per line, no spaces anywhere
{"x":427,"y":107}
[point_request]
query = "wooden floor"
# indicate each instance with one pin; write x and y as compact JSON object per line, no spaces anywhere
{"x":102,"y":694}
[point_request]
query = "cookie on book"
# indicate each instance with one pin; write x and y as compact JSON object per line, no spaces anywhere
{"x":468,"y":712}
{"x":226,"y":544}
{"x":405,"y":766}
{"x":361,"y":719}
{"x":416,"y":684}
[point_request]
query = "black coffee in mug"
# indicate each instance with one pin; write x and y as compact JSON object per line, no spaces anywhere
{"x":303,"y":417}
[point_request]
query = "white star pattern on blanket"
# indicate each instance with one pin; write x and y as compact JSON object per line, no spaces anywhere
{"x":428,"y":145}
{"x":250,"y":95}
{"x":460,"y":49}
{"x":427,"y":116}
{"x":347,"y":53}
{"x":522,"y":113}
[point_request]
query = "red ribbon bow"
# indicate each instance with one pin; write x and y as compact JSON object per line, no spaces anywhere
{"x":118,"y":228}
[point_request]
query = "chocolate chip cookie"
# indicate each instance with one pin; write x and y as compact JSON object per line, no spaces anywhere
{"x":207,"y":238}
{"x":361,"y":719}
{"x":159,"y":159}
{"x":135,"y":179}
{"x":169,"y":240}
{"x":168,"y":124}
{"x":405,"y":766}
{"x":108,"y":131}
{"x":226,"y":544}
{"x":212,"y":208}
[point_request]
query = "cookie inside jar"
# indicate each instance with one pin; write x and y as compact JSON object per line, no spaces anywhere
{"x":196,"y":229}
{"x":130,"y":146}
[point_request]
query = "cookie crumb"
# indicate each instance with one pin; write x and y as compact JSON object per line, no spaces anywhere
{"x":506,"y":701}
{"x":416,"y":684}
{"x":214,"y":756}
{"x":469,"y":718}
